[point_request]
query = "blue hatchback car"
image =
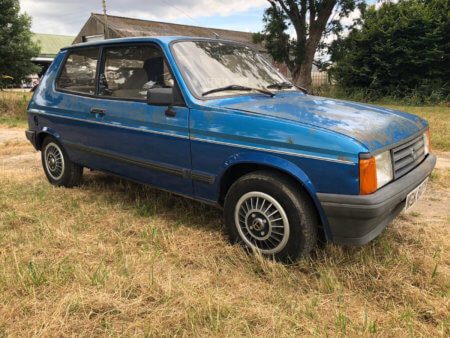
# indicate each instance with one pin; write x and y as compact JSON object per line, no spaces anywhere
{"x":213,"y":120}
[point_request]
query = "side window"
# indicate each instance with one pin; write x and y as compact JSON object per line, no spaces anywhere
{"x":78,"y":73}
{"x":128,"y":72}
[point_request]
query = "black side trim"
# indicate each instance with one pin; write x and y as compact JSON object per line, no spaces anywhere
{"x":202,"y":177}
{"x":168,"y":169}
{"x":130,"y":160}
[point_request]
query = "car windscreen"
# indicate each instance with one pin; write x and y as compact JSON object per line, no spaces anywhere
{"x":206,"y":65}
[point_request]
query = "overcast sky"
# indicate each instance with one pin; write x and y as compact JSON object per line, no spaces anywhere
{"x":68,"y":16}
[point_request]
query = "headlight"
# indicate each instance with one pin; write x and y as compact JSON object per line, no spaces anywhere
{"x":384,"y":168}
{"x":426,"y":142}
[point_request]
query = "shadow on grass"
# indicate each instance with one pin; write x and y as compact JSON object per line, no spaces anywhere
{"x":147,"y":201}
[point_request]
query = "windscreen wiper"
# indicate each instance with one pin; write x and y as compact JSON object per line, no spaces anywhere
{"x":238,"y":87}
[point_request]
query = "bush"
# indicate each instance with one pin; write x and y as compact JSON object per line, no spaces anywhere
{"x":401,"y":50}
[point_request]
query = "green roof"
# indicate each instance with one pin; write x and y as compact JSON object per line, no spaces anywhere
{"x":51,"y":44}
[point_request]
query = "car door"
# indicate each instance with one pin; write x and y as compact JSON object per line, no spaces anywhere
{"x":68,"y":107}
{"x":128,"y":137}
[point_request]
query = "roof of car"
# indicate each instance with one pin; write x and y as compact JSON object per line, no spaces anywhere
{"x":164,"y":39}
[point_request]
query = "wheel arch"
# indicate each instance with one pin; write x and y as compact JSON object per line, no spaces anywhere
{"x":245,"y":164}
{"x":41,"y":135}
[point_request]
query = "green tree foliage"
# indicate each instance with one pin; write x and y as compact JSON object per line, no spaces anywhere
{"x":400,"y":50}
{"x":16,"y":46}
{"x":311,"y":21}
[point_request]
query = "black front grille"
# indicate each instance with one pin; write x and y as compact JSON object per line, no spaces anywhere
{"x":407,"y":156}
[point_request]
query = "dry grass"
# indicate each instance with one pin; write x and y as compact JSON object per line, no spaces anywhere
{"x":15,"y":147}
{"x":13,"y":107}
{"x":439,"y":119}
{"x":115,"y":258}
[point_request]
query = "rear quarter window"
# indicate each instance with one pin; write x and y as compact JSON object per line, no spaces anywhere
{"x":79,"y":71}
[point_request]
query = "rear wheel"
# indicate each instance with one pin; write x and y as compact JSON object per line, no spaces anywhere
{"x":58,"y":168}
{"x":267,"y":212}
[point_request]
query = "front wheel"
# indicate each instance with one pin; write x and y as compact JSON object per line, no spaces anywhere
{"x":58,"y":168}
{"x":268,"y":213}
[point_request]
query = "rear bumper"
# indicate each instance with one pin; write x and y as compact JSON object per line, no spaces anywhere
{"x":358,"y":219}
{"x":31,"y":136}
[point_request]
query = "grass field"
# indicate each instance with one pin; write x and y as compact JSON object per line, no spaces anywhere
{"x":116,"y":258}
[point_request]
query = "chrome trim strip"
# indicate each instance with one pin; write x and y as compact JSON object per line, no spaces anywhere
{"x":273,"y":151}
{"x":39,"y":112}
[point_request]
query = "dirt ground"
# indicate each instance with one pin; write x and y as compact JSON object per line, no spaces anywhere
{"x":11,"y":135}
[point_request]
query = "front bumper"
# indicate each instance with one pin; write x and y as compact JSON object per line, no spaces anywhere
{"x":358,"y":219}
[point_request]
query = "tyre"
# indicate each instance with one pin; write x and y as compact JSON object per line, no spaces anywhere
{"x":58,"y":168}
{"x":268,"y":213}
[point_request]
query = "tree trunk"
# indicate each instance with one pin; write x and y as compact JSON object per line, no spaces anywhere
{"x":302,"y":73}
{"x":301,"y":76}
{"x":304,"y":77}
{"x":295,"y":74}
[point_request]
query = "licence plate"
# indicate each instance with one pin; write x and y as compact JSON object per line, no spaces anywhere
{"x":415,"y":195}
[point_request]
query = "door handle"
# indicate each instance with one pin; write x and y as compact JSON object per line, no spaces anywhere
{"x":98,"y":111}
{"x":170,"y":112}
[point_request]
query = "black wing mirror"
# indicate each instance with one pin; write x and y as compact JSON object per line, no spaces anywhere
{"x":165,"y":96}
{"x":160,"y":96}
